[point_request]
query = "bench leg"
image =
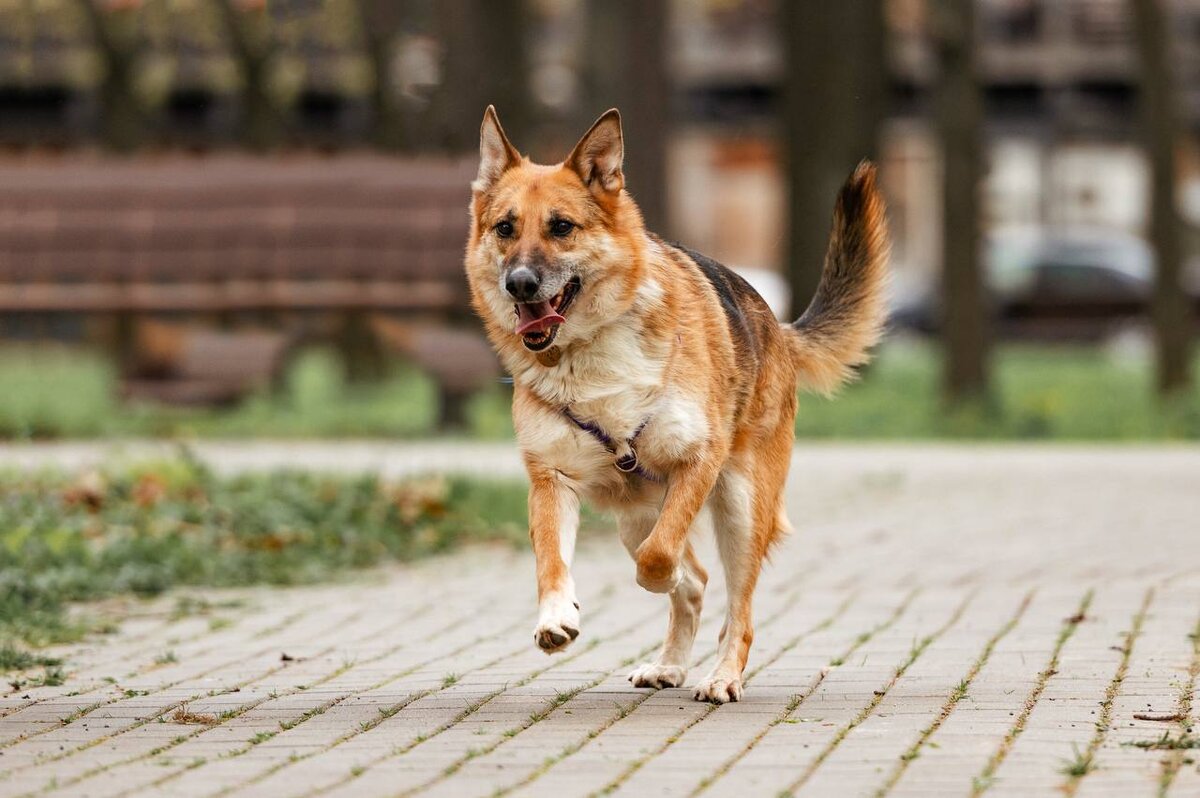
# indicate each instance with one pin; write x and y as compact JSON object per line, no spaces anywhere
{"x":452,"y":409}
{"x":360,"y":349}
{"x":116,"y":335}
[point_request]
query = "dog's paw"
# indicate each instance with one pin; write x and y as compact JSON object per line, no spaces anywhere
{"x":558,"y":624}
{"x":658,"y":572}
{"x":660,"y":584}
{"x":653,"y":674}
{"x":719,"y":688}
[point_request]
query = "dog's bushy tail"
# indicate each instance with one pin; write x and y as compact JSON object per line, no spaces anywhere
{"x":847,"y":314}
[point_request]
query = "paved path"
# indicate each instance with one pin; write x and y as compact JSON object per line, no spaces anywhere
{"x":1001,"y":621}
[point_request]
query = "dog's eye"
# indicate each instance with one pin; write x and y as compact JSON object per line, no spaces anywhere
{"x":560,"y":228}
{"x":504,"y":229}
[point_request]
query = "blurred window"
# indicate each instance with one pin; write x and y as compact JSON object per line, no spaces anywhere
{"x":1012,"y":20}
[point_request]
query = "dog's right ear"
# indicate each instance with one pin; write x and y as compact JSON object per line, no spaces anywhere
{"x":496,"y":153}
{"x":600,"y":154}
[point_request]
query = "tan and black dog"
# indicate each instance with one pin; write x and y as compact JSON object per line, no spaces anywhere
{"x":651,"y":380}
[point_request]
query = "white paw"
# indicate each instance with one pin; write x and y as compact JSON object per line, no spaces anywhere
{"x":719,"y":688}
{"x":558,"y":623}
{"x":652,"y":674}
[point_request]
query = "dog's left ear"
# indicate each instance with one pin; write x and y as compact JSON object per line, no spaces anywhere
{"x":599,"y":155}
{"x":496,"y":153}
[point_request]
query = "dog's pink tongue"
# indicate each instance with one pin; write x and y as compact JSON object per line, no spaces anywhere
{"x":539,"y":316}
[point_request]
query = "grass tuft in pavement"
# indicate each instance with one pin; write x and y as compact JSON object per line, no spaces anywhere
{"x":1080,"y":765}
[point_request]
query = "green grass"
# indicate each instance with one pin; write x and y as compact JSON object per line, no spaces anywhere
{"x":55,"y":392}
{"x":1183,"y":742}
{"x":17,"y":659}
{"x":1079,"y":765}
{"x":1063,"y":393}
{"x":51,"y":676}
{"x":145,"y":529}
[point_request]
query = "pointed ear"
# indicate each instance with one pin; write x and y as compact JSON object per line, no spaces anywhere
{"x":496,"y":154}
{"x":599,"y":155}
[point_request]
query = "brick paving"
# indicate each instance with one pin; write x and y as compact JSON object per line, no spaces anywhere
{"x":946,"y":620}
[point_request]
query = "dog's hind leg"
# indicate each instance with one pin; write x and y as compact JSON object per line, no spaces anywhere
{"x":747,"y":517}
{"x":553,"y":522}
{"x":733,"y":508}
{"x":747,"y":508}
{"x":669,"y":668}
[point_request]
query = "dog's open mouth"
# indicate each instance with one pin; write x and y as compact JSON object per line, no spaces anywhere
{"x":538,"y":322}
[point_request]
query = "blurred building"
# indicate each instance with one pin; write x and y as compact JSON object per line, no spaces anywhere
{"x":1058,"y":75}
{"x":1060,"y":84}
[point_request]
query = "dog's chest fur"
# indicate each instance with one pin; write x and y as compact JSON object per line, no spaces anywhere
{"x":612,"y":380}
{"x":619,"y":382}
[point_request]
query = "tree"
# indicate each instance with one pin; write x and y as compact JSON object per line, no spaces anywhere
{"x":959,"y":120}
{"x":115,"y":29}
{"x":252,"y":40}
{"x":1170,"y":309}
{"x":381,"y":23}
{"x":625,"y":66}
{"x":834,"y":96}
{"x":484,"y":62}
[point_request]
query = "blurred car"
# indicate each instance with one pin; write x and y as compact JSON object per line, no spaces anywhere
{"x":1075,"y":284}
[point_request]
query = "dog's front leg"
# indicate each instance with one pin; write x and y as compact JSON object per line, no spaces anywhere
{"x":553,"y":522}
{"x":659,"y":557}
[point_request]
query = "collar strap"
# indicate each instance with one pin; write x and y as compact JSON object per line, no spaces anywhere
{"x":627,"y":463}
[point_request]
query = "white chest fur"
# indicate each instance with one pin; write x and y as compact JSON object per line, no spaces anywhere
{"x":612,"y":383}
{"x":618,"y":395}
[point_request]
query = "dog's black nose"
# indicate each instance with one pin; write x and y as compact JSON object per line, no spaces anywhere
{"x":522,"y":283}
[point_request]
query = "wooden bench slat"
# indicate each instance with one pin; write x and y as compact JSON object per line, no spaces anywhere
{"x":209,"y":297}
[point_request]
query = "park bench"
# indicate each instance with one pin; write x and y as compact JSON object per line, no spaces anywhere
{"x":202,"y":274}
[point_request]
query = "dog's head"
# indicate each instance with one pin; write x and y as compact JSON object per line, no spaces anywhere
{"x":555,"y":252}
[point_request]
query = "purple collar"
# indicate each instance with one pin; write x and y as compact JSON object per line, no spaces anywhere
{"x":627,"y":463}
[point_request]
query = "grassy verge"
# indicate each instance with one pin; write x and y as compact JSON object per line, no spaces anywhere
{"x":142,"y":530}
{"x":1055,"y":393}
{"x":1040,"y":393}
{"x":55,"y":392}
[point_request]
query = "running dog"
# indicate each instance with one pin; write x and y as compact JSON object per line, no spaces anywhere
{"x":652,"y":381}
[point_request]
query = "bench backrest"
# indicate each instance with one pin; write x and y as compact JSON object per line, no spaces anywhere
{"x":339,"y":221}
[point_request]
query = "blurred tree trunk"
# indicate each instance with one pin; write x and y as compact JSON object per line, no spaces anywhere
{"x":484,"y":62}
{"x":381,"y":21}
{"x":834,"y":98}
{"x":248,"y":27}
{"x":1170,"y":309}
{"x":965,"y":313}
{"x":123,"y":119}
{"x":625,"y":66}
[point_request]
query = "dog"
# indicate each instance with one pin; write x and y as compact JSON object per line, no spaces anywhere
{"x":652,"y":381}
